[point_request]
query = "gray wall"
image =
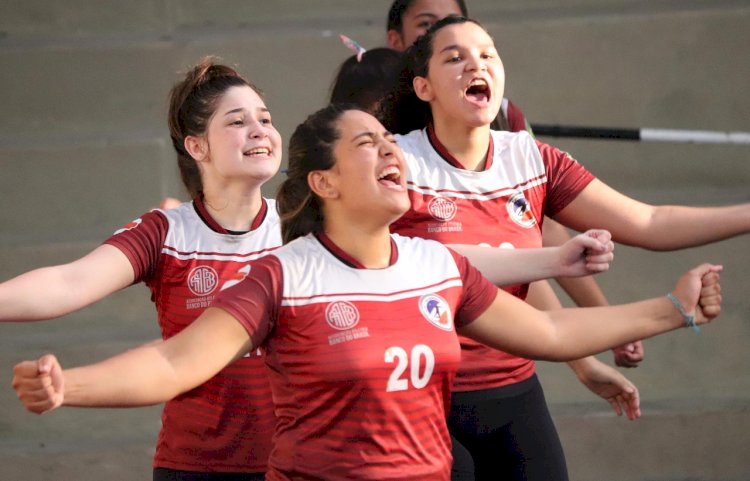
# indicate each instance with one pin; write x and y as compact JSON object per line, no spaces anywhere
{"x":84,"y":149}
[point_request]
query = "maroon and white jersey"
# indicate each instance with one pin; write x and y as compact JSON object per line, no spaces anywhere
{"x":361,"y":360}
{"x":501,"y":206}
{"x":186,"y":258}
{"x":514,"y":115}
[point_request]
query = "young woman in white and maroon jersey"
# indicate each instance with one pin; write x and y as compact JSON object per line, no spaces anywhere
{"x":407,"y":21}
{"x":358,"y":325}
{"x":227,"y":148}
{"x":365,"y":80}
{"x":495,"y":188}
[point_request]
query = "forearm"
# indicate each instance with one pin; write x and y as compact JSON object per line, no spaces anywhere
{"x":584,"y":291}
{"x":676,"y":227}
{"x":512,"y":266}
{"x":543,"y":297}
{"x":582,"y":366}
{"x":569,"y":334}
{"x":581,"y":332}
{"x":144,"y":377}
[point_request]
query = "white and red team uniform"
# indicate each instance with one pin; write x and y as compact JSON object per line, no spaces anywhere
{"x":360,"y":360}
{"x":186,"y":258}
{"x":501,"y":206}
{"x":514,"y":117}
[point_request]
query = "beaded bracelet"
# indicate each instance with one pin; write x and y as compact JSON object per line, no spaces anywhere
{"x":689,"y":319}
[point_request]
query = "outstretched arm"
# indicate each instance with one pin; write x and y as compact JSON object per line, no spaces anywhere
{"x":150,"y":374}
{"x":602,"y":380}
{"x":51,"y":292}
{"x":659,"y":228}
{"x":514,"y":326}
{"x":584,"y":254}
{"x":585,"y":292}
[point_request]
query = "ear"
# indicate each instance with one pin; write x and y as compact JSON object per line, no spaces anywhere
{"x":423,"y":89}
{"x":321,"y":185}
{"x":395,"y":41}
{"x":197,"y":147}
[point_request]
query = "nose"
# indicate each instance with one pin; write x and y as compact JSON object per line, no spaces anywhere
{"x":476,"y":62}
{"x":258,"y":130}
{"x":386,"y":148}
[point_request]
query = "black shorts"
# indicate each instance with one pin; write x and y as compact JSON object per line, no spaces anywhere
{"x":505,"y":433}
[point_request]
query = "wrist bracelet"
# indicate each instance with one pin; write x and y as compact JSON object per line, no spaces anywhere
{"x":689,"y":320}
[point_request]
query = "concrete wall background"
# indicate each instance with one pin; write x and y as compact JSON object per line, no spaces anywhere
{"x":84,"y":149}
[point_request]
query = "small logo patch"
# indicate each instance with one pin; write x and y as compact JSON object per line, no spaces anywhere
{"x":202,"y":280}
{"x":342,"y":315}
{"x":519,"y":211}
{"x":436,"y":310}
{"x":129,"y":225}
{"x":442,"y":208}
{"x":238,"y":277}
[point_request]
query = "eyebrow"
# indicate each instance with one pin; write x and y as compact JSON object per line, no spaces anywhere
{"x":425,"y":14}
{"x":459,"y":47}
{"x":450,"y":47}
{"x":371,"y":134}
{"x":240,"y":109}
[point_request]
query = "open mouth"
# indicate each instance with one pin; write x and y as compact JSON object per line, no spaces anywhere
{"x":479,"y":91}
{"x":390,"y":177}
{"x":258,"y":151}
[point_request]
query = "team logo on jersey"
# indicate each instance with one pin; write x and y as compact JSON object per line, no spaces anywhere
{"x":519,"y":210}
{"x":442,"y":208}
{"x":129,"y":225}
{"x":238,"y":277}
{"x":342,"y":315}
{"x":436,"y":310}
{"x":202,"y":280}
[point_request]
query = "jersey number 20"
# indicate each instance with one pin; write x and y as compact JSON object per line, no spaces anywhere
{"x":420,"y":364}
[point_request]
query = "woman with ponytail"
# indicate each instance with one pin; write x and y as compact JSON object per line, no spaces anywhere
{"x":227,"y":148}
{"x":359,"y":325}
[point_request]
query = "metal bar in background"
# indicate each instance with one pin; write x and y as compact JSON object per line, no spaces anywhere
{"x":660,"y":135}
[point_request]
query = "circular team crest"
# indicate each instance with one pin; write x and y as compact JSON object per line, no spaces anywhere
{"x":342,"y":315}
{"x":519,"y":210}
{"x":442,"y":208}
{"x":436,"y":310}
{"x":202,"y":280}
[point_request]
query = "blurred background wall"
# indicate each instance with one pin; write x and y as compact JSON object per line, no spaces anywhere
{"x":84,"y":149}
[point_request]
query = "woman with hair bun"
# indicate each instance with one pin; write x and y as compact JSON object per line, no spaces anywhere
{"x":227,"y":148}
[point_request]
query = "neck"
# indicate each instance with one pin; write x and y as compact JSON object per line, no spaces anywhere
{"x":233,"y":209}
{"x":370,"y":246}
{"x":467,"y":144}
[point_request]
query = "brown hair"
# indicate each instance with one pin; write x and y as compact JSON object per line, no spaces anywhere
{"x":402,"y":111}
{"x":364,"y":82}
{"x":310,"y":148}
{"x":192,"y":103}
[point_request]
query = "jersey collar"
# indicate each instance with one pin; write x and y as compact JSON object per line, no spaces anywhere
{"x":200,"y":209}
{"x":350,"y":261}
{"x":448,"y":157}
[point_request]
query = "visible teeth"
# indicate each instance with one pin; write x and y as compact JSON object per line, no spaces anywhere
{"x":258,"y":151}
{"x":478,"y":82}
{"x":389,"y":171}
